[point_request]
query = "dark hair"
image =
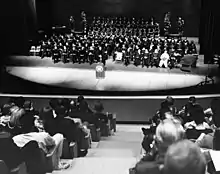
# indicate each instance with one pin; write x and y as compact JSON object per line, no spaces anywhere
{"x":6,"y":109}
{"x":54,"y":103}
{"x":80,"y":98}
{"x":66,"y":103}
{"x":192,"y":99}
{"x":46,"y":113}
{"x":60,"y":111}
{"x":19,"y":101}
{"x":27,"y":104}
{"x":170,"y":100}
{"x":98,"y":106}
{"x":197,"y":114}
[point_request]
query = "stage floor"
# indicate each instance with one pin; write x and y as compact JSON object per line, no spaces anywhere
{"x":117,"y":76}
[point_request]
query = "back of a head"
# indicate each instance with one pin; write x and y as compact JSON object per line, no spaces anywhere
{"x":46,"y":113}
{"x":54,"y":103}
{"x":60,"y":111}
{"x":170,"y":100}
{"x":27,"y":105}
{"x":80,"y":98}
{"x":184,"y":157}
{"x":19,"y":101}
{"x":16,"y":115}
{"x":66,"y":103}
{"x":197,"y":114}
{"x":192,"y":99}
{"x":98,"y":107}
{"x":6,"y":109}
{"x":168,"y":132}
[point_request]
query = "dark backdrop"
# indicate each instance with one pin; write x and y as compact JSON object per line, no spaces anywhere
{"x":60,"y":10}
{"x":13,"y":30}
{"x":209,"y":30}
{"x":127,"y":110}
{"x":18,"y":26}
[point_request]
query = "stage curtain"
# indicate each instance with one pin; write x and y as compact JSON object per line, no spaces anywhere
{"x":209,"y":30}
{"x":31,"y":18}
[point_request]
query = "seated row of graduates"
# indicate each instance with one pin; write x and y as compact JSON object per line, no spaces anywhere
{"x":95,"y":48}
{"x":121,"y":21}
{"x":140,"y":28}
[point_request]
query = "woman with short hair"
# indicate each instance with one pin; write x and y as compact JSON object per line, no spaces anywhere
{"x":168,"y":132}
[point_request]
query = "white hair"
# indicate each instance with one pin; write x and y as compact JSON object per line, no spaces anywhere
{"x":168,"y":132}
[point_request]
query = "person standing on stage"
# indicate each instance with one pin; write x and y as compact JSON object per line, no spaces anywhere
{"x":167,"y":23}
{"x":180,"y":25}
{"x":72,"y":24}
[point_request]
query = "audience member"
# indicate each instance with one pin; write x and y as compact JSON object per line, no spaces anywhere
{"x":184,"y":157}
{"x":198,"y":125}
{"x":168,"y":132}
{"x":207,"y":140}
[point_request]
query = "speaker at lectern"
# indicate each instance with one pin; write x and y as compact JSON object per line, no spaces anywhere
{"x":100,"y":71}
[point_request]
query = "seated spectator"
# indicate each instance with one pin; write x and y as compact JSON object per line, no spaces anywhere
{"x":13,"y":125}
{"x":73,"y":108}
{"x":49,"y":123}
{"x":13,"y":155}
{"x":184,"y":157}
{"x":168,"y":132}
{"x":45,"y":142}
{"x":98,"y":113}
{"x":206,"y":140}
{"x":65,"y":125}
{"x":27,"y":120}
{"x":54,"y":103}
{"x":83,"y":105}
{"x":98,"y":107}
{"x":170,"y":103}
{"x":198,"y":125}
{"x":19,"y":101}
{"x":187,"y":110}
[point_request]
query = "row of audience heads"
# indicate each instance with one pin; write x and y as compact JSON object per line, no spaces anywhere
{"x":18,"y":106}
{"x":181,"y":155}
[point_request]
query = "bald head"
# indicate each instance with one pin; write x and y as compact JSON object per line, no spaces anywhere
{"x":184,"y":157}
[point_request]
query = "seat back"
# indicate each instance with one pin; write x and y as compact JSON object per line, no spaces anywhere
{"x":3,"y":168}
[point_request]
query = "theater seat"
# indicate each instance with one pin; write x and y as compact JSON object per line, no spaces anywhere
{"x":21,"y":169}
{"x":105,"y":129}
{"x":70,"y":150}
{"x":3,"y":168}
{"x":95,"y":133}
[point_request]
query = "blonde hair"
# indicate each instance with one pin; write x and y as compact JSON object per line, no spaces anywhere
{"x":16,"y":114}
{"x":168,"y":132}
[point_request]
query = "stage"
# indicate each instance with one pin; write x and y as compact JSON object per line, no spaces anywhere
{"x":117,"y":76}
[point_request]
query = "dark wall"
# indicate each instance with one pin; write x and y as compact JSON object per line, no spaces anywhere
{"x":131,"y":110}
{"x":13,"y":30}
{"x":209,"y":30}
{"x":189,"y":9}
